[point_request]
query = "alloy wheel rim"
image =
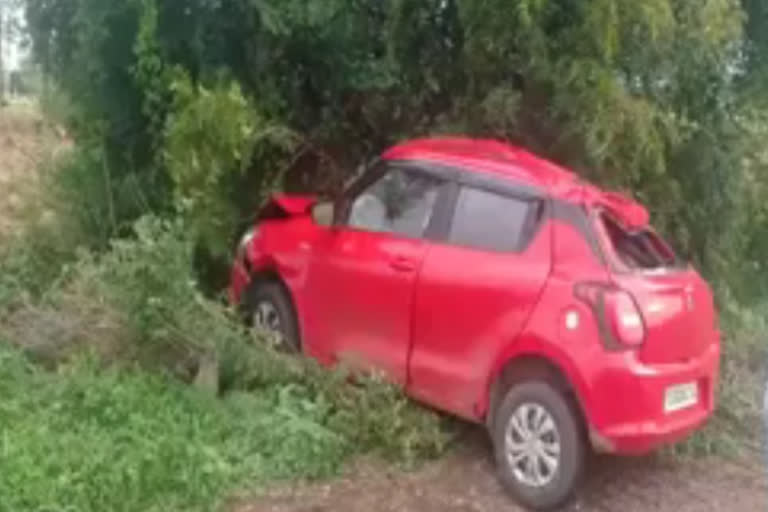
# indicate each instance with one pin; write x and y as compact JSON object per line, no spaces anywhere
{"x":266,"y":318}
{"x":532,"y":443}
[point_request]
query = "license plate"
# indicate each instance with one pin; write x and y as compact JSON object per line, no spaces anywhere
{"x":681,"y":397}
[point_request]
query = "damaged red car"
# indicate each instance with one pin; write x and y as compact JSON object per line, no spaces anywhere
{"x":496,"y":286}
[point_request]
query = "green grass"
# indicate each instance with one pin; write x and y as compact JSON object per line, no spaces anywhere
{"x":85,"y":439}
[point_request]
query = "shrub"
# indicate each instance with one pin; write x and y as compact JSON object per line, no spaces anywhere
{"x":139,"y":303}
{"x":141,"y":294}
{"x":79,"y":205}
{"x":212,"y":140}
{"x":736,"y":428}
{"x":372,"y":415}
{"x":745,"y":352}
{"x":30,"y":263}
{"x":149,"y":281}
{"x":100,"y":203}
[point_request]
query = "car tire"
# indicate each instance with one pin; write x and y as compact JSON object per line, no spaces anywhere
{"x":552,"y":484}
{"x":267,"y":301}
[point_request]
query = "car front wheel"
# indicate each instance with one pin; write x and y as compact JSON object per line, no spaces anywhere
{"x":538,"y":445}
{"x":270,"y":311}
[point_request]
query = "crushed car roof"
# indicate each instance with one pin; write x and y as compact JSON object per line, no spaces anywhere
{"x":505,"y":160}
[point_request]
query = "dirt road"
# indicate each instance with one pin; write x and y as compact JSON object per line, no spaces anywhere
{"x":464,"y":481}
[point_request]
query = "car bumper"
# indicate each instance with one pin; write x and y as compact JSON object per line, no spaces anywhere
{"x":631,"y":418}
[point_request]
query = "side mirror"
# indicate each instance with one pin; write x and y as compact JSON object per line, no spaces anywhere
{"x":322,"y":213}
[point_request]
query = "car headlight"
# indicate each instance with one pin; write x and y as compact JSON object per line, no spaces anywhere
{"x":245,"y":242}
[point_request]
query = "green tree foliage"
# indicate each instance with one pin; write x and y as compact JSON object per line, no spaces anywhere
{"x":661,"y":97}
{"x":208,"y":141}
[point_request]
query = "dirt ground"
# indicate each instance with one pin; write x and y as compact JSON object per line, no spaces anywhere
{"x":464,"y":481}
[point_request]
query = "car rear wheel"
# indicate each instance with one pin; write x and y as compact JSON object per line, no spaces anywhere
{"x":269,"y":310}
{"x":538,"y":445}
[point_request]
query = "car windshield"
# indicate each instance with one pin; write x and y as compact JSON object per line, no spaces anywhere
{"x":639,"y":249}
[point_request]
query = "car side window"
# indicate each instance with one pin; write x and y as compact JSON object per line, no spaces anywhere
{"x":401,"y":202}
{"x":490,"y":221}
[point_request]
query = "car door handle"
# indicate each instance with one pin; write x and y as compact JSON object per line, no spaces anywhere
{"x":402,"y":264}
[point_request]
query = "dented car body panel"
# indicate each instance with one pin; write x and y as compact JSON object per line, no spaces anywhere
{"x":441,"y":306}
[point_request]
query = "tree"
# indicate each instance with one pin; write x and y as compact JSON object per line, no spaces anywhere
{"x":663,"y":97}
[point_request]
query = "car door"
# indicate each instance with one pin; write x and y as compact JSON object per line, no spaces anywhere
{"x":476,"y":290}
{"x":363,"y":271}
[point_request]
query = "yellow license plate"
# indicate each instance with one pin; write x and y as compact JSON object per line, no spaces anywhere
{"x":681,"y":396}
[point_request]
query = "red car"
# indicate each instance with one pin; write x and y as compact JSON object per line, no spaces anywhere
{"x":496,"y":286}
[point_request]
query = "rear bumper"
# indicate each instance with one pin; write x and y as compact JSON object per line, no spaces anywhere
{"x":628,"y":414}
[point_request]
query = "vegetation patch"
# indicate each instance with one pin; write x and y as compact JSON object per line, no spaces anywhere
{"x":186,"y":116}
{"x":736,"y":430}
{"x":122,"y":429}
{"x":87,"y":438}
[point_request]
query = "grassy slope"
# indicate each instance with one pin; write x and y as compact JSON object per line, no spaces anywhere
{"x":85,"y":439}
{"x":88,"y":440}
{"x":26,"y":143}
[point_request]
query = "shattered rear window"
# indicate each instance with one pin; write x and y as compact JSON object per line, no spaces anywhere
{"x":640,"y":249}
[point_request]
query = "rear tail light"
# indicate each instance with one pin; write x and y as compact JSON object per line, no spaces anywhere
{"x":619,"y":319}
